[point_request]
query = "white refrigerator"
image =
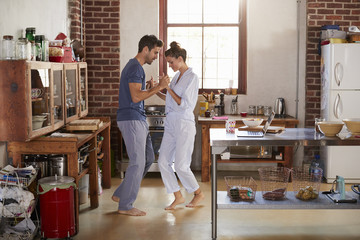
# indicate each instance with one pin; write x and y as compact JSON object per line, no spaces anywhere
{"x":340,"y":99}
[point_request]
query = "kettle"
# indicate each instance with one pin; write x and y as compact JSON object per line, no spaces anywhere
{"x":280,"y":107}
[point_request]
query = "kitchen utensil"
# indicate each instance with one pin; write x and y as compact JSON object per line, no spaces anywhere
{"x":279,"y":107}
{"x":234,"y":106}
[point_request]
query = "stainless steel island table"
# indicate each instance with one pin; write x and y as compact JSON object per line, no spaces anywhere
{"x":220,"y":141}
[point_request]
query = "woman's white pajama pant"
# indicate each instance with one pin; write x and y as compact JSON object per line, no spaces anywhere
{"x":177,"y":147}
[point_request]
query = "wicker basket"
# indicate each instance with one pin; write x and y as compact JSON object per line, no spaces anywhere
{"x":274,"y":182}
{"x":306,"y":182}
{"x":240,"y":188}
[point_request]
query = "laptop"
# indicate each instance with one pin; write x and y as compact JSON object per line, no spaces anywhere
{"x":255,"y":133}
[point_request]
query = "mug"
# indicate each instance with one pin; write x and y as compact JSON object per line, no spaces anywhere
{"x":36,"y":92}
{"x":230,"y":126}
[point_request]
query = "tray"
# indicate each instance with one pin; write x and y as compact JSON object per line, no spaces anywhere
{"x":84,"y":125}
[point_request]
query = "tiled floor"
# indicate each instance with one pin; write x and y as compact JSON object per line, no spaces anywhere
{"x":186,"y":224}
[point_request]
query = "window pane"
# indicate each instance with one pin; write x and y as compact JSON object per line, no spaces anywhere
{"x":190,"y":39}
{"x":221,"y":54}
{"x":184,"y":11}
{"x":225,"y":11}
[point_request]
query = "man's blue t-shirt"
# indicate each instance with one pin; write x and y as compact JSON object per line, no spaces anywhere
{"x":133,"y":72}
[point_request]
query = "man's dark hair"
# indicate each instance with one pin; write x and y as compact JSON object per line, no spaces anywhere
{"x":150,"y":41}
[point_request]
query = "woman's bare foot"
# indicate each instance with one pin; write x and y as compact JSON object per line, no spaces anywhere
{"x":115,"y":199}
{"x":179,"y":199}
{"x":198,"y":197}
{"x":132,"y":212}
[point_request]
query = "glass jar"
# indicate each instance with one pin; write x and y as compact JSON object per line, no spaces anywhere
{"x":252,"y":110}
{"x":8,"y":47}
{"x":260,"y":110}
{"x":21,"y":48}
{"x":30,"y":34}
{"x":267,"y":110}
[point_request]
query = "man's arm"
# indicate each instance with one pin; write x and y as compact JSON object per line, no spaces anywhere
{"x":138,"y":95}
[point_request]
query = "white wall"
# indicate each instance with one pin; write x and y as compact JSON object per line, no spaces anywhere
{"x":49,"y":17}
{"x":273,"y":67}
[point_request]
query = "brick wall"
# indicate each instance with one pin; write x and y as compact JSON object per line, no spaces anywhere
{"x":344,"y":13}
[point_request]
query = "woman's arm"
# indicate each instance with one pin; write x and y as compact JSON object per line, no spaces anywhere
{"x":174,"y":95}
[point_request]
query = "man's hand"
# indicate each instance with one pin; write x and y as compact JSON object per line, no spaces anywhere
{"x":150,"y":83}
{"x":164,"y":81}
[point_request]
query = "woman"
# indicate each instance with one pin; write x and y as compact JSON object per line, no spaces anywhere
{"x":178,"y":142}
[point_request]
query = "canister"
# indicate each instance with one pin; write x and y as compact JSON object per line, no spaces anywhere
{"x":8,"y":47}
{"x":57,"y":207}
{"x":21,"y":48}
{"x":58,"y":165}
{"x":252,"y":110}
{"x":204,"y":105}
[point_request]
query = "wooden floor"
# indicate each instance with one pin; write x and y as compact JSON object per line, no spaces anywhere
{"x":186,"y":224}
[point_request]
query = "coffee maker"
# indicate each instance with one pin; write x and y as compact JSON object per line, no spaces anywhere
{"x":279,"y":108}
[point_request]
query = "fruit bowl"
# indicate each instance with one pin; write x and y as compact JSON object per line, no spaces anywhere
{"x":353,"y":125}
{"x":329,"y":128}
{"x":252,"y":122}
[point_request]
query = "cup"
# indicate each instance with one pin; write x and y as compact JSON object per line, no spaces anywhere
{"x":230,"y":126}
{"x":36,"y":92}
{"x":243,"y":114}
{"x":317,"y":120}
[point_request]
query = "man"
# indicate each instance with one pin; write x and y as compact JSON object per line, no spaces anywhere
{"x":132,"y":123}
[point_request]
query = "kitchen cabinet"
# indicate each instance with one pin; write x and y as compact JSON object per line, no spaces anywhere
{"x":220,"y":141}
{"x":40,"y":97}
{"x":68,"y":144}
{"x":207,"y":123}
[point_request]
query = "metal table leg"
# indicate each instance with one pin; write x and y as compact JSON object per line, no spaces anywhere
{"x":214,"y":198}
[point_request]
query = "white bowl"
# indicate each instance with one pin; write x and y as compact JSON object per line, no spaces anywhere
{"x":252,"y":122}
{"x":353,"y":125}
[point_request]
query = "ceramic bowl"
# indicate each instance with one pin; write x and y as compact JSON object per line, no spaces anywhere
{"x":353,"y":125}
{"x":329,"y":128}
{"x":252,"y":122}
{"x":37,"y":121}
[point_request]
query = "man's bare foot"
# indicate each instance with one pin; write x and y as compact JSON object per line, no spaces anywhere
{"x":115,"y":199}
{"x":132,"y":212}
{"x":177,"y":201}
{"x":198,"y":197}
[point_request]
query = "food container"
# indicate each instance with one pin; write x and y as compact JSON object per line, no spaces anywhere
{"x":240,"y":188}
{"x":306,"y":182}
{"x":274,"y":182}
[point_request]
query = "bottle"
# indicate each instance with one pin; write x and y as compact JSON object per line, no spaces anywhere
{"x":315,"y":165}
{"x":30,"y":34}
{"x":40,"y":47}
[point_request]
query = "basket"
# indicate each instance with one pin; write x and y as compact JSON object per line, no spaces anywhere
{"x":274,"y":182}
{"x":306,"y":182}
{"x":240,"y":188}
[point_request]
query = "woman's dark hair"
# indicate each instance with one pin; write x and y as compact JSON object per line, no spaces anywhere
{"x":176,"y":51}
{"x":149,"y":41}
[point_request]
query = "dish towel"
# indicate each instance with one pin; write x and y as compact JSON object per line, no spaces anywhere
{"x":221,"y":118}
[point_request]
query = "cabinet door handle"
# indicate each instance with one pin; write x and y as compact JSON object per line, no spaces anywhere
{"x":337,"y":106}
{"x":338,"y":72}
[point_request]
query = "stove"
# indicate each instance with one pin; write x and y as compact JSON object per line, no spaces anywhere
{"x":155,"y":116}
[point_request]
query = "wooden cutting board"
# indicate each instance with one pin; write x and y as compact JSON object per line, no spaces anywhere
{"x":84,"y":125}
{"x":271,"y":129}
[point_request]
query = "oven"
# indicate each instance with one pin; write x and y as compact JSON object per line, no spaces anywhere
{"x":155,"y":117}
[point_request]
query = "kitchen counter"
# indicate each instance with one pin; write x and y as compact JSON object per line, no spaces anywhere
{"x":207,"y":123}
{"x":220,"y":141}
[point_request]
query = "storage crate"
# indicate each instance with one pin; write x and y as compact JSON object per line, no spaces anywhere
{"x":240,"y":188}
{"x":274,"y":182}
{"x":306,"y":182}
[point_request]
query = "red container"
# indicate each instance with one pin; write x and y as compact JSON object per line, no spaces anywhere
{"x":57,"y":208}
